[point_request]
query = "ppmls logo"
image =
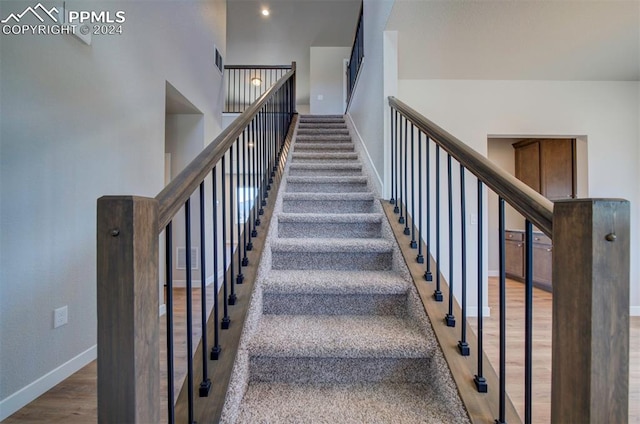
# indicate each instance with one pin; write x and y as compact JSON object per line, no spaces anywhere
{"x":52,"y":13}
{"x":82,"y":23}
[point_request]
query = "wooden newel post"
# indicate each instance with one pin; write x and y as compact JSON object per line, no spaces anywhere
{"x":128,"y":326}
{"x":591,"y":262}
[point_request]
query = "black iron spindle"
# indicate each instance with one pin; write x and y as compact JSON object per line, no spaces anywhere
{"x":225,"y":283}
{"x":396,"y":164}
{"x":232,"y":285}
{"x":241,"y":245}
{"x":528,"y":320}
{"x":503,"y":336}
{"x":169,"y":311}
{"x":463,"y":346}
{"x":414,"y":243}
{"x":392,"y":199}
{"x":401,"y":198}
{"x":427,"y":273}
{"x":189,"y":312}
{"x":254,"y":178}
{"x":480,"y":381}
{"x":450,"y":318}
{"x":406,"y":179}
{"x":216,"y":348}
{"x":437,"y":294}
{"x":205,"y":384}
{"x":420,"y":256}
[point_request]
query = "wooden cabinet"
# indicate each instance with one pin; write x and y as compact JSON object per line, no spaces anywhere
{"x":515,"y":258}
{"x":547,"y":166}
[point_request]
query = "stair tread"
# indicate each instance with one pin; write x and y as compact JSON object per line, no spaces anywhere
{"x":325,"y":179}
{"x":329,"y":245}
{"x":332,"y":218}
{"x":338,"y":336}
{"x":332,"y":282}
{"x":347,"y":403}
{"x":320,"y":165}
{"x":328,"y":196}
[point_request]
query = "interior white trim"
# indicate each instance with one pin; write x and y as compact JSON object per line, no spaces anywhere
{"x":372,"y":168}
{"x":30,"y":392}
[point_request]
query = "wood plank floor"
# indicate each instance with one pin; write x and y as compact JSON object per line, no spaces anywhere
{"x":74,"y":400}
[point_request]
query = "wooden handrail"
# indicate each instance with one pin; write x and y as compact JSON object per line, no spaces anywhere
{"x":176,"y":193}
{"x":531,"y":204}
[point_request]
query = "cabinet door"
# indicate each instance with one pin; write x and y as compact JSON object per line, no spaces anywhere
{"x":528,"y":164}
{"x":514,"y":258}
{"x":542,"y":264}
{"x":556,"y":168}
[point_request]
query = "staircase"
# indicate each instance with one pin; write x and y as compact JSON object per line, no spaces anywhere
{"x":335,"y":332}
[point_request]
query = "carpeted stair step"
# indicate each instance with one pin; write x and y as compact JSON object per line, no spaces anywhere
{"x":298,"y":147}
{"x":338,"y":349}
{"x":334,"y":293}
{"x":306,"y":225}
{"x":317,"y":119}
{"x":306,"y":139}
{"x":332,"y":254}
{"x":328,"y":184}
{"x":323,"y":131}
{"x":325,"y":169}
{"x":327,"y":202}
{"x":326,"y":125}
{"x":349,"y":403}
{"x":327,"y":156}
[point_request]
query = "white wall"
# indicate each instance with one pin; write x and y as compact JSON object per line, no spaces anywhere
{"x":79,"y":122}
{"x":368,"y":105}
{"x":605,"y":112}
{"x":327,"y":76}
{"x":287,"y":34}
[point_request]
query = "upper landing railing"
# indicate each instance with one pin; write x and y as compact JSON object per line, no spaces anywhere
{"x":246,"y":83}
{"x":357,"y":54}
{"x":229,"y":182}
{"x":590,"y":260}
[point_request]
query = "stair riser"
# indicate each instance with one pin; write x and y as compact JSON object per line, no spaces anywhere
{"x":327,"y":188}
{"x":322,"y":125}
{"x":338,"y":370}
{"x":334,"y":304}
{"x":322,"y":139}
{"x":311,"y":147}
{"x":321,"y":159}
{"x":323,"y":132}
{"x":327,"y":206}
{"x":329,"y":229}
{"x":325,"y":172}
{"x":338,"y":261}
{"x":322,"y":121}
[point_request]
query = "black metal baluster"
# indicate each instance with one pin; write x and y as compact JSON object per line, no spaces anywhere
{"x":205,"y":384}
{"x":226,"y":321}
{"x":396,"y":164}
{"x":463,"y":346}
{"x":215,"y":349}
{"x":437,"y":294}
{"x":450,"y":318}
{"x":481,"y":382}
{"x":241,"y":245}
{"x":420,"y":257}
{"x":232,"y":295}
{"x":254,"y":178}
{"x":528,"y":320}
{"x":503,"y":335}
{"x":187,"y":230}
{"x":427,"y":273}
{"x":251,"y":165}
{"x":171,"y":418}
{"x":392,"y":200}
{"x":406,"y":179}
{"x":413,"y":243}
{"x":401,"y":198}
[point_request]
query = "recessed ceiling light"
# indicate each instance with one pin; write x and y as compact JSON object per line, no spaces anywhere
{"x":265,"y":12}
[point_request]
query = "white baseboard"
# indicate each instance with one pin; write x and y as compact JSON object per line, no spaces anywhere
{"x":163,"y":309}
{"x":29,"y":393}
{"x":472,"y":311}
{"x":493,"y":273}
{"x":372,"y":168}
